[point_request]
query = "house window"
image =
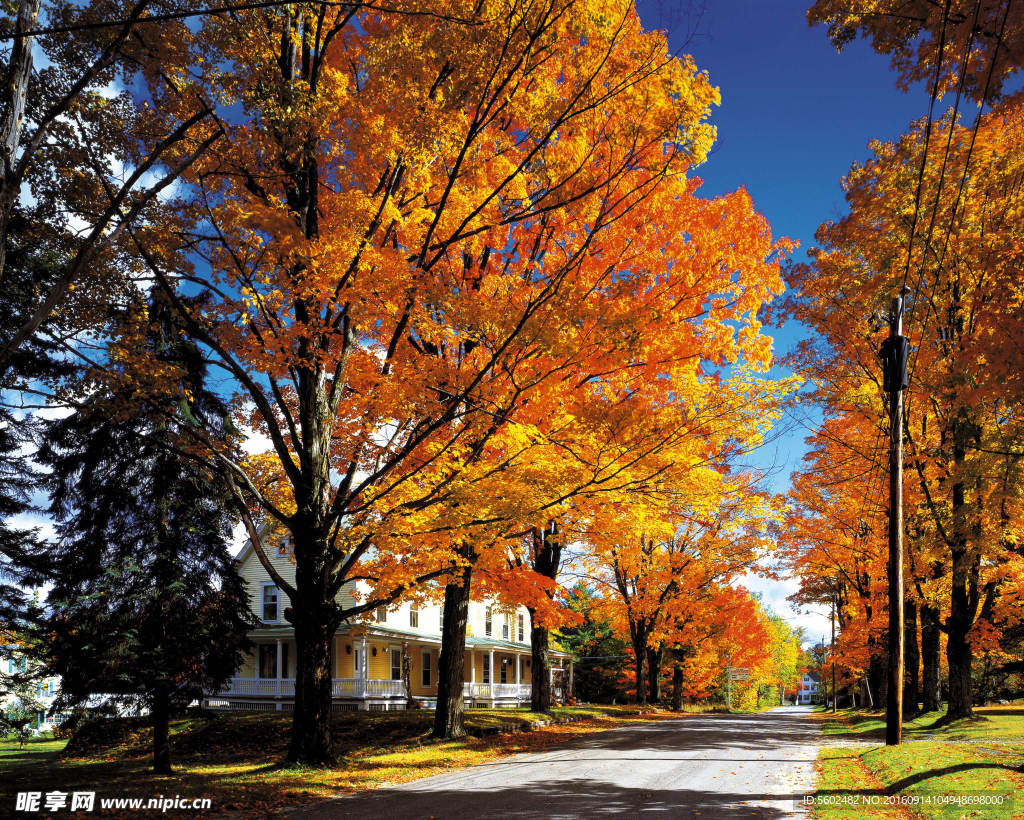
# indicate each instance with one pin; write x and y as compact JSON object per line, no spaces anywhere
{"x":356,"y":668}
{"x":504,"y":670}
{"x":268,"y":660}
{"x":382,"y":614}
{"x":270,"y":604}
{"x":414,"y":616}
{"x":487,"y":621}
{"x":284,"y":660}
{"x":425,"y":679}
{"x":504,"y":629}
{"x":396,"y":663}
{"x":522,"y":633}
{"x":440,"y":617}
{"x":487,"y":666}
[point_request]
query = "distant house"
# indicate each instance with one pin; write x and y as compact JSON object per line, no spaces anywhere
{"x":12,"y":664}
{"x":809,"y":690}
{"x":366,"y":663}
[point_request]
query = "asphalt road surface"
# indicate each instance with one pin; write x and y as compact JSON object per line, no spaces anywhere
{"x":701,"y":767}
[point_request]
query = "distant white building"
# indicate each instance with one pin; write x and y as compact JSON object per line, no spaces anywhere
{"x":809,"y":690}
{"x":44,"y":690}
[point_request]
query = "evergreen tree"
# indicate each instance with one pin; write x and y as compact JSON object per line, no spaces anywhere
{"x":602,"y":657}
{"x":146,"y":605}
{"x":28,"y":274}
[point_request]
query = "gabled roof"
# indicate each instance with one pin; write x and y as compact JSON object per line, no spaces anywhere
{"x":814,"y":676}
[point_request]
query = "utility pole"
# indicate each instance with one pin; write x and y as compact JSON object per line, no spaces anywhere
{"x":894,"y":363}
{"x":834,"y":696}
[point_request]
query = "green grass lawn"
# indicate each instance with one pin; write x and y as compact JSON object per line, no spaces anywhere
{"x":933,"y":766}
{"x":988,"y":723}
{"x":236,"y":758}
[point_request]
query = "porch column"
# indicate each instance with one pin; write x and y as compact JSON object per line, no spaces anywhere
{"x":472,"y":668}
{"x":362,"y":666}
{"x":568,"y":683}
{"x":278,"y":667}
{"x":519,"y":671}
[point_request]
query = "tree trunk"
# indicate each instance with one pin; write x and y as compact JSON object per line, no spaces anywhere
{"x":311,"y":742}
{"x":161,"y":712}
{"x":14,"y":96}
{"x":654,"y":657}
{"x":449,"y":716}
{"x":961,"y":617}
{"x":959,"y":657}
{"x":639,"y":637}
{"x":877,"y":673}
{"x":931,"y":659}
{"x":540,"y":694}
{"x":547,"y":559}
{"x":911,"y":659}
{"x":407,"y":674}
{"x":677,"y":689}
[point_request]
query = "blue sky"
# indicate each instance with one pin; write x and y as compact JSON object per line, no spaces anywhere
{"x":794,"y":116}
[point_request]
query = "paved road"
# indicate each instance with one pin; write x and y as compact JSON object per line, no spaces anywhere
{"x":701,"y":767}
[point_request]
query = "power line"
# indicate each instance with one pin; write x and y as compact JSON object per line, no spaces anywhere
{"x":927,"y":138}
{"x":960,"y":190}
{"x":945,"y":159}
{"x":156,"y":18}
{"x":181,"y":15}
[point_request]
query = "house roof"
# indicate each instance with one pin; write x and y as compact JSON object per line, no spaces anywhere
{"x":814,"y":676}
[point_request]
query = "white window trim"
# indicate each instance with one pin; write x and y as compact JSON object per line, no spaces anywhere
{"x":395,"y":650}
{"x":263,"y":593}
{"x":426,"y":661}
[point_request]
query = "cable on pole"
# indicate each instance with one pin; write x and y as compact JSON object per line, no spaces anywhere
{"x":927,"y":138}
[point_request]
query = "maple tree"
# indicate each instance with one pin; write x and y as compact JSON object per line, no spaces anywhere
{"x":962,"y":429}
{"x":982,"y":42}
{"x":407,"y":212}
{"x":661,"y":555}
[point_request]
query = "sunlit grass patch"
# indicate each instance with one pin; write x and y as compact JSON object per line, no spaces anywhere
{"x":988,"y":723}
{"x":934,"y":780}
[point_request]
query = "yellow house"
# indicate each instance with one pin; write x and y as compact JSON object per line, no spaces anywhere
{"x":366,"y":662}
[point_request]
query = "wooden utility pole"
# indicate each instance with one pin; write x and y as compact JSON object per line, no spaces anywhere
{"x":835,"y":698}
{"x":894,"y":357}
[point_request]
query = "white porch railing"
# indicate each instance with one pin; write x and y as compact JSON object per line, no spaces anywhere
{"x":375,"y":686}
{"x":259,"y":686}
{"x":345,"y":686}
{"x":496,"y":690}
{"x":476,"y":690}
{"x":350,"y":687}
